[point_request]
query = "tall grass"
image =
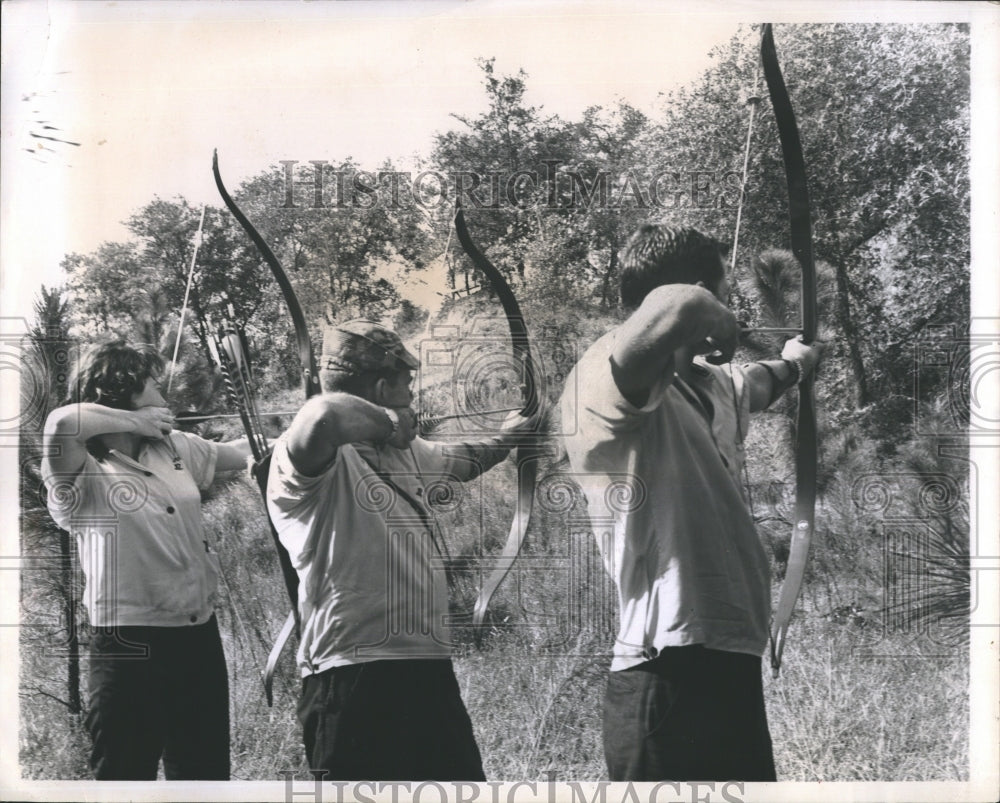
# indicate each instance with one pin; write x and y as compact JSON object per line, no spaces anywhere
{"x":843,"y":710}
{"x":854,"y":701}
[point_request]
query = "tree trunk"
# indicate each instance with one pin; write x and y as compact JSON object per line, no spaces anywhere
{"x":69,"y":617}
{"x":846,"y":321}
{"x":851,"y":335}
{"x":612,"y":268}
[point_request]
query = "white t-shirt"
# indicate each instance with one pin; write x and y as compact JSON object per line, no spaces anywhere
{"x":372,"y":582}
{"x":139,"y":531}
{"x":666,"y":504}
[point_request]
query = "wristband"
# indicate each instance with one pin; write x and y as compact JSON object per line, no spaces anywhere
{"x":777,"y":386}
{"x":393,"y":417}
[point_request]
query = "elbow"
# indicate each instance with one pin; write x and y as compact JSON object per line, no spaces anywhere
{"x":328,"y":419}
{"x":62,"y":422}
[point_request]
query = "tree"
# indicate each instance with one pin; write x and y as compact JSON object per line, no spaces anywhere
{"x":501,"y":167}
{"x":43,"y":387}
{"x":884,"y":117}
{"x":106,"y":287}
{"x":600,"y":200}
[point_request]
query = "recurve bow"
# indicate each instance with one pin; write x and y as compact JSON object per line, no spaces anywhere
{"x":528,"y":453}
{"x":805,"y":430}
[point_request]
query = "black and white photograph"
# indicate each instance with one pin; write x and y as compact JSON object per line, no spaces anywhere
{"x":497,"y":401}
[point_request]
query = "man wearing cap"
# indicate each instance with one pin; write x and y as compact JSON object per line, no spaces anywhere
{"x":650,"y":408}
{"x":347,"y":494}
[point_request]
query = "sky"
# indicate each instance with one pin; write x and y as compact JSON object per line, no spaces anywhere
{"x":148,"y":90}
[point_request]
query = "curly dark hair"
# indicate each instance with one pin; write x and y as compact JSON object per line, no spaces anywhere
{"x":112,"y":373}
{"x":656,"y":255}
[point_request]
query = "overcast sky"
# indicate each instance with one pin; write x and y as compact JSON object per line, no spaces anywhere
{"x":149,"y":89}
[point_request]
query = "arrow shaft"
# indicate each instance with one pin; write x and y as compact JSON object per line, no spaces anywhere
{"x":184,"y":419}
{"x":423,"y":419}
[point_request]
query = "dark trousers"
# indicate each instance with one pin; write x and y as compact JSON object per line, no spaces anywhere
{"x":690,"y":714}
{"x":159,"y":691}
{"x":400,"y":720}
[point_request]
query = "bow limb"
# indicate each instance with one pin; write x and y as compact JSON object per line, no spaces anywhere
{"x":515,"y":319}
{"x":310,"y":381}
{"x":310,"y":375}
{"x":527,"y":455}
{"x":806,"y":440}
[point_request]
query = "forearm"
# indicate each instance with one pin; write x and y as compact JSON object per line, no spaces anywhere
{"x":768,"y":380}
{"x":328,"y":422}
{"x":670,"y":318}
{"x":645,"y":348}
{"x":232,"y":455}
{"x":345,"y":418}
{"x":81,"y":422}
{"x":68,"y":429}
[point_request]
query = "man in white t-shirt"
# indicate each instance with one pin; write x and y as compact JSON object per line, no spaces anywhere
{"x":665,"y":425}
{"x":347,"y":493}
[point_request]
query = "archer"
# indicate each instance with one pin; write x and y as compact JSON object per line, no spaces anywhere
{"x":129,"y":488}
{"x":684,"y":698}
{"x":348,"y":496}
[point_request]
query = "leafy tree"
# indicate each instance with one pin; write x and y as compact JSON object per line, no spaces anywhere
{"x":884,"y":117}
{"x":596,"y":192}
{"x":107,"y":287}
{"x":336,"y":247}
{"x":410,"y":320}
{"x":500,"y":167}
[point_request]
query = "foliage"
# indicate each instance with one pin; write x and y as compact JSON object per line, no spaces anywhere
{"x":44,"y":383}
{"x":884,"y":118}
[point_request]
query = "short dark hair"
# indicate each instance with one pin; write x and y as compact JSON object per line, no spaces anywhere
{"x":656,"y":255}
{"x":357,"y":383}
{"x":112,"y":373}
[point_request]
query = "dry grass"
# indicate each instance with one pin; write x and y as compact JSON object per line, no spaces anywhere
{"x":842,"y":710}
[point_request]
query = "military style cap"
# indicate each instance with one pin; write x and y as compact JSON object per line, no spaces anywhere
{"x":360,"y":346}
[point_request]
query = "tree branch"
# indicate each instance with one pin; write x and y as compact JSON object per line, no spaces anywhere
{"x":43,"y":693}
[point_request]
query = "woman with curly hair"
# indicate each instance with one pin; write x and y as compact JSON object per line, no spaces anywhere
{"x":128,"y":487}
